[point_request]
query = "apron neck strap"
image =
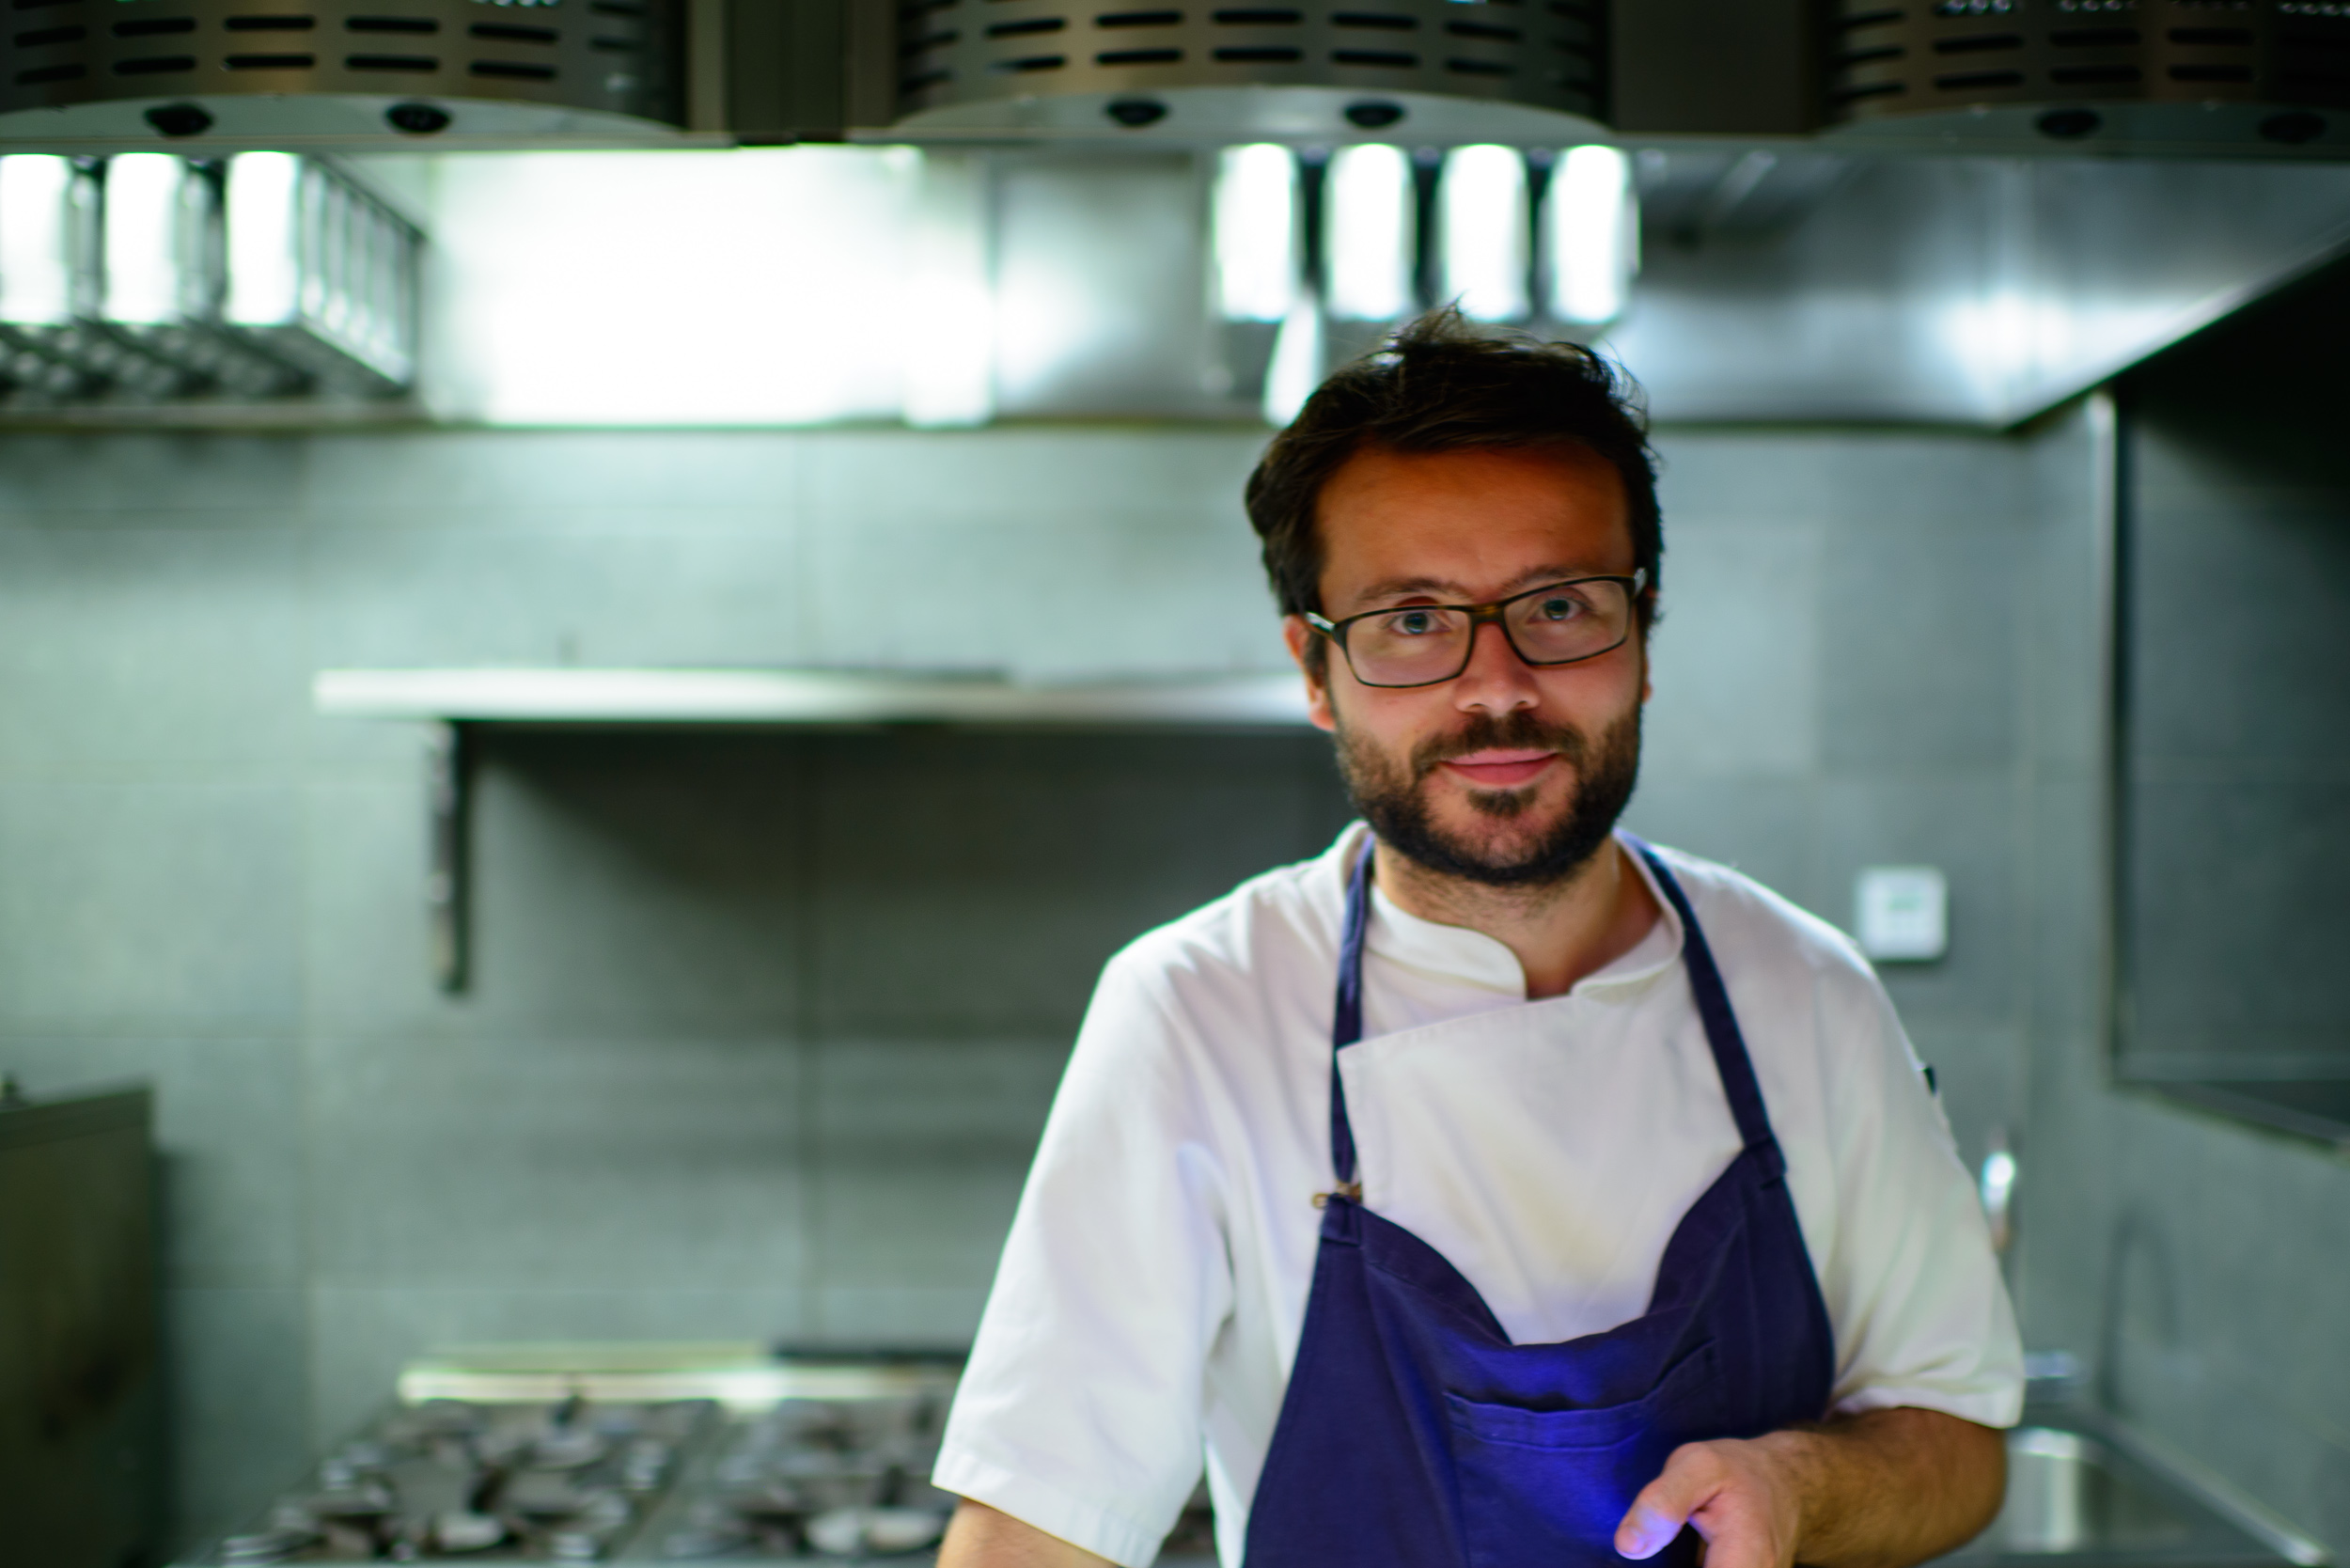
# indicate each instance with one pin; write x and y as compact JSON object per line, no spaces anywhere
{"x":1713,"y":1009}
{"x":1346,"y":1022}
{"x":1706,"y":984}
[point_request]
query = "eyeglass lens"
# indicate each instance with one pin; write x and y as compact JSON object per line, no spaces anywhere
{"x":1421,"y":644}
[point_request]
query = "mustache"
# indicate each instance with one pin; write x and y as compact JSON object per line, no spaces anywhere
{"x":1516,"y":732}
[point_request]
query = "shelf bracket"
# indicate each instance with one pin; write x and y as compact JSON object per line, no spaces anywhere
{"x":447,"y":803}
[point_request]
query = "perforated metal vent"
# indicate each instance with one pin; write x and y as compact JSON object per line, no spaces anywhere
{"x":261,"y":63}
{"x":1328,"y":66}
{"x":2191,"y":71}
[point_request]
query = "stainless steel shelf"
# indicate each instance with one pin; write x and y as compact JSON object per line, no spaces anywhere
{"x":796,"y":696}
{"x":452,"y":700}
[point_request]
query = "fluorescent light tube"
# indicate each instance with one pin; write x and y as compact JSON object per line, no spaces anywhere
{"x":951,"y":337}
{"x":1368,"y":233}
{"x":1256,"y":232}
{"x":264,"y":253}
{"x":1481,"y":198}
{"x":36,"y":240}
{"x":1593,"y":229}
{"x":146,"y":192}
{"x":1295,"y":369}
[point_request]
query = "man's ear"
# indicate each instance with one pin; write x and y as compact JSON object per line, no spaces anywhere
{"x":1301,"y":638}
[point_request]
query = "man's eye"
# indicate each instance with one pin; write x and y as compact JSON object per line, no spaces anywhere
{"x":1412,"y":623}
{"x":1559,"y":607}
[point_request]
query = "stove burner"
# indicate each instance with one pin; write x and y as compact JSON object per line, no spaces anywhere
{"x":491,"y":1483}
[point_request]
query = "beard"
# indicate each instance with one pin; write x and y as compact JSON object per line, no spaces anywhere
{"x":1392,"y":798}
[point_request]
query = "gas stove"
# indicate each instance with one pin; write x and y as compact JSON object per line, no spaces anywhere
{"x":704,"y":1454}
{"x":564,"y":1481}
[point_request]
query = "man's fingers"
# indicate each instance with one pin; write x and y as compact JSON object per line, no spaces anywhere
{"x":1735,"y":1535}
{"x":1646,"y":1531}
{"x":1665,"y":1503}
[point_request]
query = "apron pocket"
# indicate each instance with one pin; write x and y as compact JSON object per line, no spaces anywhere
{"x":1549,"y":1487}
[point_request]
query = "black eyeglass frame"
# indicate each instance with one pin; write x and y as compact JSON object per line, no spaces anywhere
{"x":1480,"y":614}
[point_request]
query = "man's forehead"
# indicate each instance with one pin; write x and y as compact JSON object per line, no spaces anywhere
{"x":1472,"y":518}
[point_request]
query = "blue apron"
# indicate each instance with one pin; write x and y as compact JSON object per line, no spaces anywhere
{"x":1415,"y":1433}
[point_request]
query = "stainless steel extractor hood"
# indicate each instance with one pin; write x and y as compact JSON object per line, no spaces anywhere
{"x":298,"y":73}
{"x":2194,"y":77}
{"x":2187,"y":78}
{"x":1449,"y":70}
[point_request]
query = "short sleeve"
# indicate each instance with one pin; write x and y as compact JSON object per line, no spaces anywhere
{"x":1911,"y":1282}
{"x":1080,"y":1409}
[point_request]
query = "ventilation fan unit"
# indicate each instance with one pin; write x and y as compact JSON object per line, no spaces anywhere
{"x":2193,"y":76}
{"x":365,"y":70}
{"x":1442,"y":70}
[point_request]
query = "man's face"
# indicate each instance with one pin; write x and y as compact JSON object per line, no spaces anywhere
{"x":1508,"y":775}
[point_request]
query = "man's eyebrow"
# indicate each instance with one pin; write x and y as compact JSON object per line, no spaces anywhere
{"x":1453,"y":593}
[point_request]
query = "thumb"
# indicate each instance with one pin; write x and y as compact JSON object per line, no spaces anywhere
{"x":1663,"y":1507}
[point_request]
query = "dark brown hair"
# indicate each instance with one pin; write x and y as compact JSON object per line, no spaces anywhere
{"x":1440,"y":385}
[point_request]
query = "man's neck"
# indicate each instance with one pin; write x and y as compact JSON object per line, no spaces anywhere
{"x":1560,"y":933}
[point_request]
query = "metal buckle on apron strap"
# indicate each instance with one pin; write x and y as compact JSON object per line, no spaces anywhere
{"x":1351,"y":1191}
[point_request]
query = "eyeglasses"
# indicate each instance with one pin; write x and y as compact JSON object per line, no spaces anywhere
{"x":1425,"y":645}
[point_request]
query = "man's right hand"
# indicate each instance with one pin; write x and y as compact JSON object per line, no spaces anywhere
{"x":982,"y":1537}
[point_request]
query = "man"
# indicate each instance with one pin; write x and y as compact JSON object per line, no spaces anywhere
{"x":1494,"y":1189}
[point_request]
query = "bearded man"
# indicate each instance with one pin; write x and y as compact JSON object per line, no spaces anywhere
{"x":1495,"y":1189}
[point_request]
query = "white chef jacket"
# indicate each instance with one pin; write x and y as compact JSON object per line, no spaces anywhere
{"x":1153,"y":1287}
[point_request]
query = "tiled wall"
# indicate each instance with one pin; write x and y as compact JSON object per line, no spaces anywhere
{"x":762,"y":1026}
{"x":2204,"y":1265}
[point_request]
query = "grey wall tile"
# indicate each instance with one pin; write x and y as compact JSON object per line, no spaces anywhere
{"x":2238,"y":645}
{"x":1060,"y":475}
{"x":2223,"y":1244}
{"x":1979,"y":1074}
{"x":228,"y":1130}
{"x":1044,"y":601}
{"x":554,"y":1163}
{"x":2065,"y":1197}
{"x":633,"y":882}
{"x":2066,"y":901}
{"x":922,"y":1147}
{"x":365,"y":955}
{"x":160,"y":904}
{"x":1766,"y":828}
{"x":2236,"y":926}
{"x":661,"y":590}
{"x":1919,"y":633}
{"x":2064,"y":693}
{"x":238,"y":1377}
{"x":1888,"y":481}
{"x":107,"y":479}
{"x":1057,"y":556}
{"x":896,"y":1315}
{"x":152,"y":646}
{"x":425,"y":476}
{"x":1737,"y":659}
{"x":988,"y":905}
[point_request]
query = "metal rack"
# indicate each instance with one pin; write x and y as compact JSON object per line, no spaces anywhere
{"x":451,"y":701}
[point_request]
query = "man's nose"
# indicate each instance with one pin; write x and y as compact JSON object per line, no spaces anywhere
{"x":1497,"y":679}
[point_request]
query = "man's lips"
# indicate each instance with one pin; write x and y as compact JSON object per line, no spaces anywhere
{"x":1501,"y":768}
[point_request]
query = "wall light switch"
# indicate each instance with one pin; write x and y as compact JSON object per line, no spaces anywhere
{"x":1904,"y":913}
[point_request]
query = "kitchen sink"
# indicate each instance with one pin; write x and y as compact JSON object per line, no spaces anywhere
{"x":2084,"y":1489}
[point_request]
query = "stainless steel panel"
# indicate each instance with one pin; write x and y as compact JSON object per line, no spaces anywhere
{"x":80,"y":1457}
{"x":1969,"y":291}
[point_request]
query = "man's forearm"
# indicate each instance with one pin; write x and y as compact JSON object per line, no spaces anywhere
{"x":982,"y":1537}
{"x":1884,"y":1489}
{"x":1893,"y":1487}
